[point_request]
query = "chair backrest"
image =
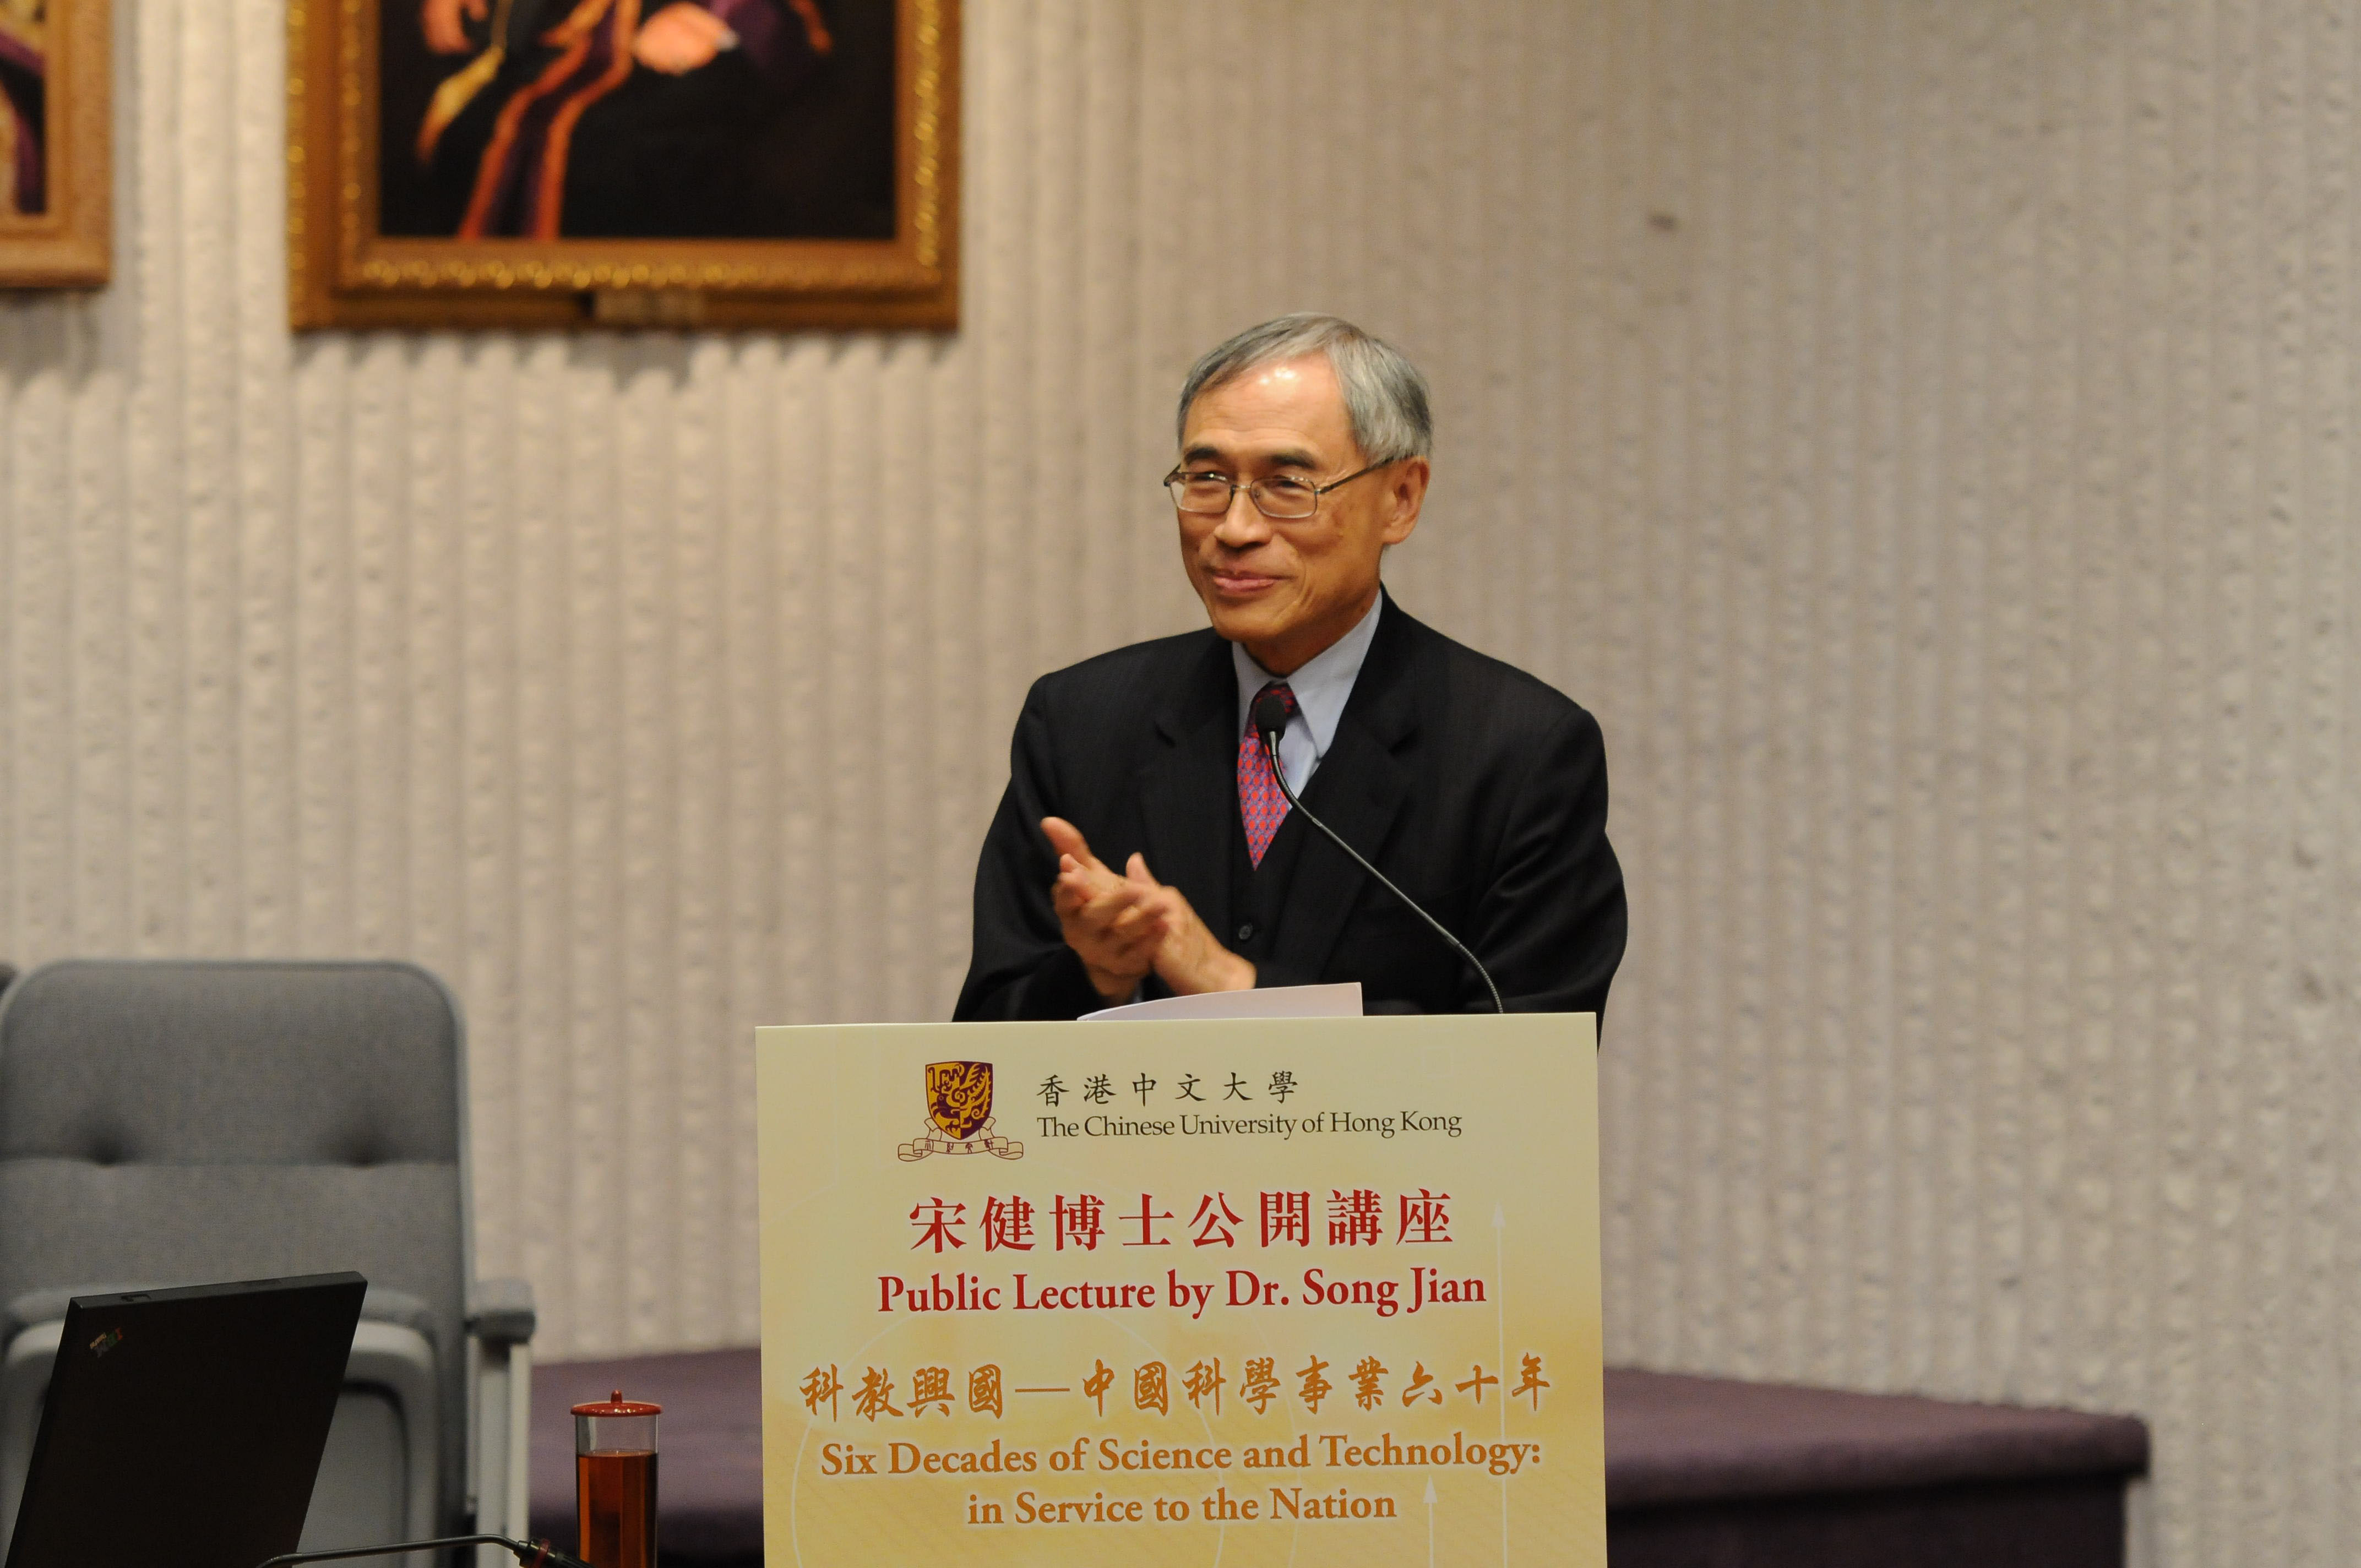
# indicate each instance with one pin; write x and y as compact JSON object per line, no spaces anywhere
{"x":169,"y":1122}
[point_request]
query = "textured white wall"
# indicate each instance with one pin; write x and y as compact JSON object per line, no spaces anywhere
{"x":1921,"y":432}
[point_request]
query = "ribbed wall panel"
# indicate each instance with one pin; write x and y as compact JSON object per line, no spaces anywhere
{"x":1922,"y":432}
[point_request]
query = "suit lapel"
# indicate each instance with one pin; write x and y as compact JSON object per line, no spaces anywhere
{"x":1358,"y":791}
{"x":1189,"y":792}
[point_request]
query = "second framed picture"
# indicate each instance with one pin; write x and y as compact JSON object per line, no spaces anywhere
{"x":56,"y":191}
{"x":559,"y":163}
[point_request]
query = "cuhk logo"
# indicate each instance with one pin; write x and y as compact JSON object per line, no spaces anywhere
{"x":959,"y":1114}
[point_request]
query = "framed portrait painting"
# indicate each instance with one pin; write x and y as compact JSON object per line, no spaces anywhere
{"x":554,"y":163}
{"x":56,"y":193}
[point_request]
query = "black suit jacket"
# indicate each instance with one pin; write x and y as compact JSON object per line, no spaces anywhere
{"x":1480,"y":790}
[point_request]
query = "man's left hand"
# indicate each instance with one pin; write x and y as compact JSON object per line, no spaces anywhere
{"x":1189,"y":959}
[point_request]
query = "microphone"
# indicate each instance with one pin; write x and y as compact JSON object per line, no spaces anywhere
{"x":1270,"y":718}
{"x":530,"y":1553}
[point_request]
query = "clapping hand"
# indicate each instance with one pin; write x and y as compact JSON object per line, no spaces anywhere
{"x":1125,"y":927}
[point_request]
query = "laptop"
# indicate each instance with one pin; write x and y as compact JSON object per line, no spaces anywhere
{"x":185,"y":1426}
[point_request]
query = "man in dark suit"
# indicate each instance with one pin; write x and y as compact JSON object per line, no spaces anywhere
{"x":1477,"y":789}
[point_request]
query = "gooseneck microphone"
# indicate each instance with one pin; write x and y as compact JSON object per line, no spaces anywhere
{"x":1270,"y":717}
{"x":530,"y":1553}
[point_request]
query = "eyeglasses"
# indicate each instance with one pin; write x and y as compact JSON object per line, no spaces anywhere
{"x":1282,"y":497}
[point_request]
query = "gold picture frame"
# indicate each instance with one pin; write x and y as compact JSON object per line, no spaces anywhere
{"x":56,"y":120}
{"x":346,"y":271}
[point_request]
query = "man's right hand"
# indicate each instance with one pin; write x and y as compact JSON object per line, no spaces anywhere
{"x":1115,"y":924}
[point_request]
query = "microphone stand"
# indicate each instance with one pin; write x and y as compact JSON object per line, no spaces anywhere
{"x":1270,"y":732}
{"x":531,"y":1553}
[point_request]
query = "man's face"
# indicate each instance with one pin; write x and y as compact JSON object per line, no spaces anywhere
{"x":1288,"y":588}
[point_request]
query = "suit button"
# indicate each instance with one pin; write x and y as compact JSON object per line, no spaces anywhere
{"x":1246,"y":932}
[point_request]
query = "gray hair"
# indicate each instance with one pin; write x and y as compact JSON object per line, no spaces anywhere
{"x":1385,"y":396}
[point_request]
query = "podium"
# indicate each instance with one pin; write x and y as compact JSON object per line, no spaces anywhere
{"x":1307,"y":1291}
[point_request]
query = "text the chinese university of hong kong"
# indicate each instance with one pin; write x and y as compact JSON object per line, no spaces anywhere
{"x":1190,"y":1087}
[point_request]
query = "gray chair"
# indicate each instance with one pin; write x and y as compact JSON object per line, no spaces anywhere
{"x":170,"y":1123}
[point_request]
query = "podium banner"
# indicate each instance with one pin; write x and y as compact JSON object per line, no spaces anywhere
{"x":1243,"y":1292}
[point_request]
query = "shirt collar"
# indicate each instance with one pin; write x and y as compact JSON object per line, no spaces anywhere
{"x":1322,"y":686}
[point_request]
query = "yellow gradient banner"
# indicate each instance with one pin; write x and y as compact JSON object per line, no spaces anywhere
{"x":1305,"y":1291}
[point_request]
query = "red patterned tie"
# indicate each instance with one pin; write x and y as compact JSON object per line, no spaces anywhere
{"x":1259,"y":800}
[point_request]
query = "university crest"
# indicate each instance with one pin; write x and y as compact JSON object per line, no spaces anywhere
{"x":959,"y":1107}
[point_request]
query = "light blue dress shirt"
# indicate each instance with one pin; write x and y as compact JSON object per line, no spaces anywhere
{"x":1321,"y":687}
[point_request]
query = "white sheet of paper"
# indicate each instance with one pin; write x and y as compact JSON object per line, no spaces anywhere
{"x":1276,"y":1002}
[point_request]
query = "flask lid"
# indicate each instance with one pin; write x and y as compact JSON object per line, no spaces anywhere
{"x":616,"y":1405}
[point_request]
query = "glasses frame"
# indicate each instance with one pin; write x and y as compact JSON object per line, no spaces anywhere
{"x":1253,"y":487}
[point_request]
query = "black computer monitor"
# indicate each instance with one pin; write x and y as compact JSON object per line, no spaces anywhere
{"x":184,"y":1427}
